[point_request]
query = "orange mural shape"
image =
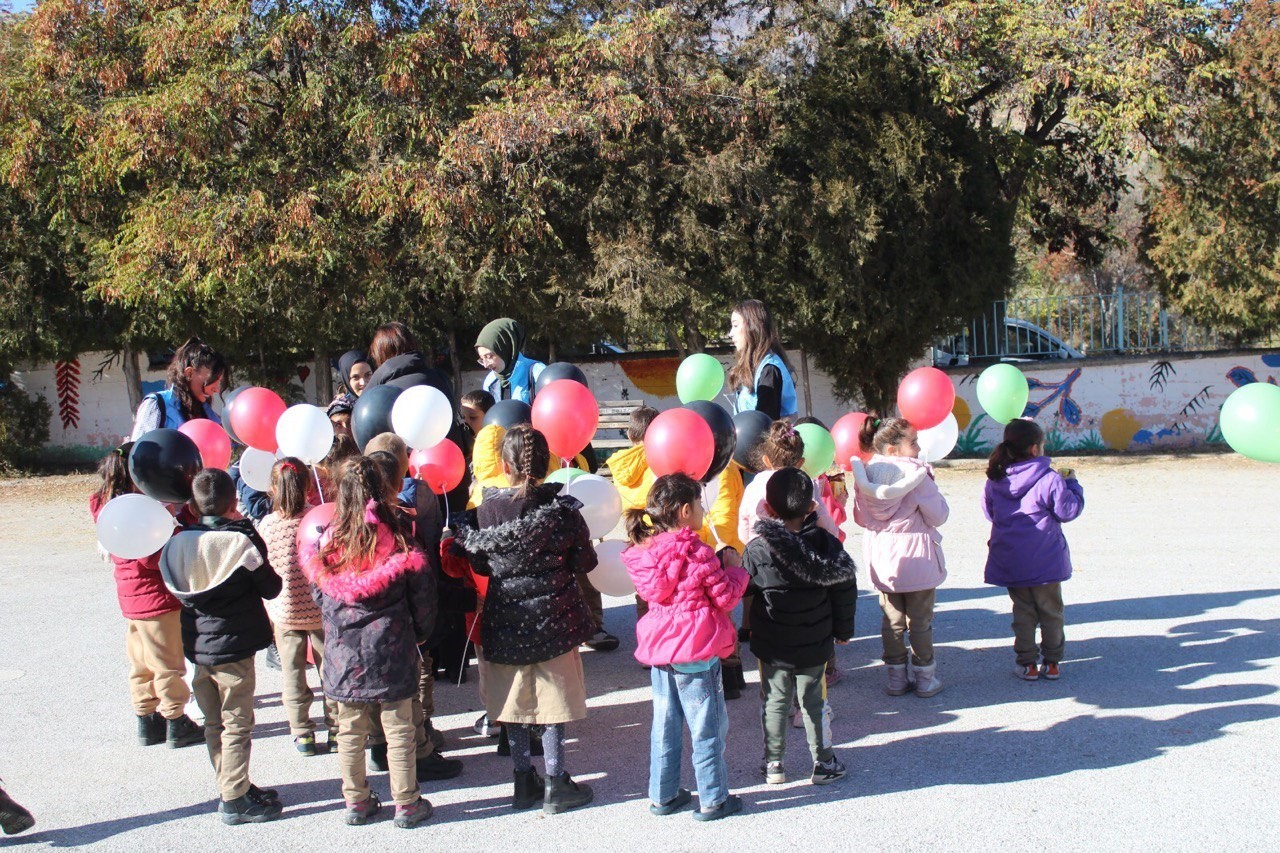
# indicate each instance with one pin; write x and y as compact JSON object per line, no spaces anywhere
{"x":656,"y":377}
{"x":962,"y":413}
{"x":1118,"y":427}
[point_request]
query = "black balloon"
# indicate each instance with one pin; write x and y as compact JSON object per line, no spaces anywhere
{"x":722,"y":429}
{"x":163,"y":463}
{"x":559,"y":370}
{"x":751,"y":427}
{"x":371,"y":414}
{"x":226,"y":412}
{"x":509,"y":413}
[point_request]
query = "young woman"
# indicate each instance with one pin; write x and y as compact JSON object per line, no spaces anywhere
{"x":196,"y":374}
{"x":512,"y":374}
{"x":760,"y":372}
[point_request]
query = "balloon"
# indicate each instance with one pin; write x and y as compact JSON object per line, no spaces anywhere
{"x":371,"y":414}
{"x":845,"y":434}
{"x":557,"y":371}
{"x":566,"y":413}
{"x":440,"y":466}
{"x":313,"y":525}
{"x":1250,"y":421}
{"x":722,"y":432}
{"x":925,"y":397}
{"x":565,"y":475}
{"x":601,"y":504}
{"x":751,"y":427}
{"x":254,"y":417}
{"x":819,"y":448}
{"x":422,"y":416}
{"x":133,"y":526}
{"x":610,"y":574}
{"x":679,"y":440}
{"x":227,"y":403}
{"x":509,"y":413}
{"x":1003,"y":392}
{"x":937,"y":442}
{"x":700,"y":377}
{"x":162,"y":465}
{"x":306,"y":432}
{"x":212,"y":440}
{"x":255,"y":468}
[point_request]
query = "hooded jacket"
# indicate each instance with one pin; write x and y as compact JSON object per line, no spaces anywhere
{"x":408,"y":370}
{"x":139,"y":586}
{"x":374,"y":616}
{"x":690,"y":595}
{"x":632,"y":476}
{"x":898,"y":503}
{"x":724,"y":494}
{"x":218,"y":571}
{"x":806,"y":591}
{"x":1027,"y":509}
{"x":531,"y":549}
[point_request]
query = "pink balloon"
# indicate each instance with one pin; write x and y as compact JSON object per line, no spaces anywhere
{"x":212,"y":439}
{"x":313,"y":525}
{"x":254,"y":417}
{"x":845,"y":432}
{"x":440,"y":466}
{"x":925,"y":397}
{"x":567,"y":414}
{"x":679,"y":441}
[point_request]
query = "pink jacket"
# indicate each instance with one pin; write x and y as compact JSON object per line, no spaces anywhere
{"x":690,"y":595}
{"x":753,"y":506}
{"x":897,"y":502}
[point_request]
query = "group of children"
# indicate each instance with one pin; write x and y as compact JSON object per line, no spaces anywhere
{"x":363,"y":595}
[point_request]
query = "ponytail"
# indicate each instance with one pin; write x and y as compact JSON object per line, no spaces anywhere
{"x":639,"y":527}
{"x":782,"y":444}
{"x":668,"y":495}
{"x":878,"y":433}
{"x":1020,"y":435}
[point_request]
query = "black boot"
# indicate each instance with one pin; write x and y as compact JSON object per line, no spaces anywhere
{"x":560,"y":794}
{"x":378,"y":757}
{"x":13,"y":817}
{"x":529,"y":789}
{"x":732,"y":678}
{"x":151,"y":729}
{"x":184,"y":732}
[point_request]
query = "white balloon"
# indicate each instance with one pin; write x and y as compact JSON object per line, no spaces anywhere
{"x":937,"y":442}
{"x":601,"y":503}
{"x":134,"y":526}
{"x":610,"y":574}
{"x":306,"y":432}
{"x":255,"y":468}
{"x":422,"y":416}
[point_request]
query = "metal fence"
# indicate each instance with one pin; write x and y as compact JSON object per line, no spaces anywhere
{"x":1078,"y":326}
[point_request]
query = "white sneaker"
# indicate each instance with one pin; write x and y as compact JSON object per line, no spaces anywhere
{"x":774,"y":774}
{"x":482,"y":727}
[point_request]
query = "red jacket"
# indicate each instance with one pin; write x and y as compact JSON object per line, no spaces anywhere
{"x":139,"y":587}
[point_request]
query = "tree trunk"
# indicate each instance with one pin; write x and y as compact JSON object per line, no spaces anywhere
{"x":804,"y":376}
{"x":455,"y":365}
{"x":132,"y":376}
{"x":551,"y":352}
{"x":324,"y":378}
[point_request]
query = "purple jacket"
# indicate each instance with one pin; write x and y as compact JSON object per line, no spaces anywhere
{"x":1027,"y":510}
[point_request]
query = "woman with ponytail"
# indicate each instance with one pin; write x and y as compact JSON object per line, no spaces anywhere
{"x":1027,"y":502}
{"x":197,"y":373}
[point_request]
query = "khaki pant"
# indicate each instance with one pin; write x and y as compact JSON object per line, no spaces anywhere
{"x":423,"y":707}
{"x":355,"y":722}
{"x":780,"y":687}
{"x":1038,"y":605}
{"x":297,"y":695}
{"x":595,"y":603}
{"x":908,"y":613}
{"x":225,"y":695}
{"x":157,"y":668}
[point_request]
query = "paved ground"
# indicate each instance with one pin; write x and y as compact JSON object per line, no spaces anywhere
{"x":1162,"y":734}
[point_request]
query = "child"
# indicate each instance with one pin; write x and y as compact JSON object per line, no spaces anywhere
{"x":805,"y":593}
{"x":153,"y":636}
{"x":682,"y":637}
{"x":294,"y":614}
{"x":472,"y":408}
{"x":531,"y":543}
{"x":630,"y":467}
{"x":218,"y":570}
{"x":378,"y":602}
{"x":1027,"y":503}
{"x":897,"y":502}
{"x":781,"y":447}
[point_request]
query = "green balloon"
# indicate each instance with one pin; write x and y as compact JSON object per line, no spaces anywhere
{"x":819,"y":449}
{"x":1250,"y":421}
{"x":564,"y":475}
{"x":1003,"y":392}
{"x":700,"y":377}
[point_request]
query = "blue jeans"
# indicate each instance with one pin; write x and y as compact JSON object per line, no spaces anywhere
{"x":696,"y":699}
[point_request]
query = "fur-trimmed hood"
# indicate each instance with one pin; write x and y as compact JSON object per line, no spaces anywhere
{"x":366,"y":581}
{"x":811,"y":556}
{"x":518,"y":538}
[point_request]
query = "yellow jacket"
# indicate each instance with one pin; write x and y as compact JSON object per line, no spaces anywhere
{"x":631,"y":475}
{"x":720,"y":527}
{"x":486,"y":464}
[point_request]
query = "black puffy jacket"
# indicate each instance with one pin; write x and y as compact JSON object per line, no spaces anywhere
{"x":532,"y":549}
{"x":410,"y":370}
{"x":218,"y":571}
{"x":805,"y":593}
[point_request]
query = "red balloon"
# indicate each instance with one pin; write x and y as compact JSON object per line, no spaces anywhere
{"x":679,"y":441}
{"x":567,"y":414}
{"x":212,"y":439}
{"x":925,"y":397}
{"x":440,"y":466}
{"x":845,"y":432}
{"x":313,"y":524}
{"x":254,"y":416}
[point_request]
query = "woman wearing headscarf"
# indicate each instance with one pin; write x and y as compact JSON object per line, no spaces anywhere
{"x":354,"y":371}
{"x":512,"y":374}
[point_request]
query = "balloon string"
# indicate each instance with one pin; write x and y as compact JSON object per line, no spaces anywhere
{"x":319,"y":489}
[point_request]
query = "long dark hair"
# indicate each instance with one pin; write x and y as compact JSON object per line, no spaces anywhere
{"x":670,"y":492}
{"x":761,"y":339}
{"x":878,"y":433}
{"x":525,"y":452}
{"x":1020,"y":436}
{"x":197,"y":354}
{"x":354,"y":542}
{"x":289,"y":487}
{"x":114,"y":473}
